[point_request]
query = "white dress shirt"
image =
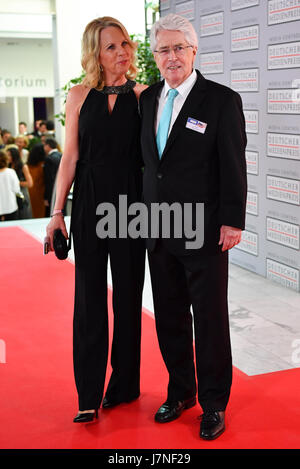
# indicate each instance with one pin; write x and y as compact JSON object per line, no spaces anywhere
{"x":9,"y":187}
{"x":183,"y":90}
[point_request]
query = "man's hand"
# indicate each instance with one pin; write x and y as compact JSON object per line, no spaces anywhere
{"x":229,"y":237}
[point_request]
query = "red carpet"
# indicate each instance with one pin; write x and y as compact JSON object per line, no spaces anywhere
{"x":37,"y":391}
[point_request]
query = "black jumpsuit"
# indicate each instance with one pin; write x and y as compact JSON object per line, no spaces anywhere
{"x":109,"y":165}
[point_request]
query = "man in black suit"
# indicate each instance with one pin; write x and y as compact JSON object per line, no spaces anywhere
{"x":51,"y":165}
{"x":200,"y":159}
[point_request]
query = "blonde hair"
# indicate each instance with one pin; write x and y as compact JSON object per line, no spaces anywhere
{"x":91,"y":50}
{"x":23,"y":137}
{"x":10,"y":145}
{"x":174,"y":22}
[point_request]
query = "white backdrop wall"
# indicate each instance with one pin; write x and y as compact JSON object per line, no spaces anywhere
{"x":253,"y":46}
{"x":27,"y":67}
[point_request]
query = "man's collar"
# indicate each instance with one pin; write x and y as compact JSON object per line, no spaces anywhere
{"x":184,"y":86}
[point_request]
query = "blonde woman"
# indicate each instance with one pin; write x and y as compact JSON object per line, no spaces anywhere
{"x":102,"y":155}
{"x":22,"y":143}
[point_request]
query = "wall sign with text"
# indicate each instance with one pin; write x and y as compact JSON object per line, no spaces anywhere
{"x":253,"y":47}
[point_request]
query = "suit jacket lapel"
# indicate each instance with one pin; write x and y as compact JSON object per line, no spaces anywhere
{"x":192,"y":102}
{"x":153,"y":112}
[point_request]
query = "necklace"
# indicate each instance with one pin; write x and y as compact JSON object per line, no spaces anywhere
{"x":121,"y":89}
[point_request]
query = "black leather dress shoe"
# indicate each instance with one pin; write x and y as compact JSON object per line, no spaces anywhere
{"x":212,"y":425}
{"x":108,"y":403}
{"x":172,"y":410}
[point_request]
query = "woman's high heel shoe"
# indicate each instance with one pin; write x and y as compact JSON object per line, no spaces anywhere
{"x":86,"y":417}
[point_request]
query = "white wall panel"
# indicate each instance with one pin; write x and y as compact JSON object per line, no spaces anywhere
{"x":253,"y":46}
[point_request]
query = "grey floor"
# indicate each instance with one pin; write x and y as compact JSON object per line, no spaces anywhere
{"x":264,"y":316}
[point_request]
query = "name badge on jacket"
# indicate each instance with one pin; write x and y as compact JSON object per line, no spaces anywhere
{"x":196,"y":125}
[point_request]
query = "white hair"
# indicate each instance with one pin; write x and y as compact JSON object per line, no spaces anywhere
{"x":174,"y":22}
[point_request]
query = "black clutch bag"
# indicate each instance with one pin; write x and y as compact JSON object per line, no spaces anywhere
{"x":60,"y":245}
{"x":21,"y":201}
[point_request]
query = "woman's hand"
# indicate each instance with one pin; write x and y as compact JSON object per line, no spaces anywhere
{"x":57,"y":222}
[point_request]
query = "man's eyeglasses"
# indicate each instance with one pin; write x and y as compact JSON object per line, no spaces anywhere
{"x":178,"y":50}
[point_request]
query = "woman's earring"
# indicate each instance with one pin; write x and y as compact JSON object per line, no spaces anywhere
{"x":100,"y":68}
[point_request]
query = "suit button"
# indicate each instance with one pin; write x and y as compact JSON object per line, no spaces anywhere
{"x":159,"y":175}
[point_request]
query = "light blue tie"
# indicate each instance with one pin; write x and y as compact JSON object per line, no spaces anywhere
{"x":164,"y":123}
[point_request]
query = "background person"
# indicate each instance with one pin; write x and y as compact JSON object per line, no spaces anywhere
{"x":50,"y":128}
{"x":21,"y":141}
{"x":7,"y":138}
{"x":23,"y":128}
{"x":102,"y":152}
{"x":35,"y":163}
{"x":9,"y":187}
{"x":51,"y":165}
{"x":42,"y":128}
{"x":35,"y":132}
{"x":25,"y":179}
